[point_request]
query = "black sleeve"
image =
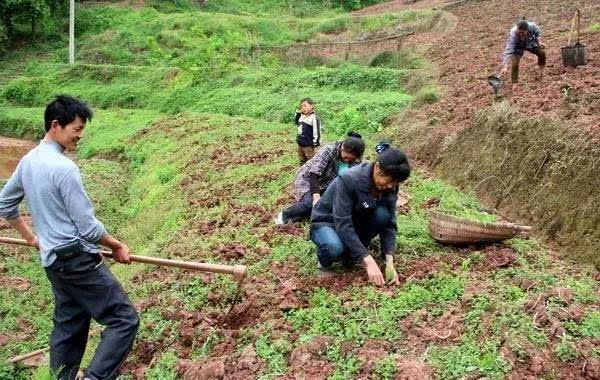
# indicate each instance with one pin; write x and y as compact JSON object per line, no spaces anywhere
{"x":313,"y":180}
{"x":297,"y":117}
{"x":343,"y":204}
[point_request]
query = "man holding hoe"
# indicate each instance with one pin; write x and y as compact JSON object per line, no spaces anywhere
{"x":68,"y":235}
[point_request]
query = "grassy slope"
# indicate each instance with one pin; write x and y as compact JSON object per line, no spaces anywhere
{"x":203,"y":187}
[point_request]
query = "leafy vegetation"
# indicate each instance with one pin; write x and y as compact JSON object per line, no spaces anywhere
{"x":191,"y":152}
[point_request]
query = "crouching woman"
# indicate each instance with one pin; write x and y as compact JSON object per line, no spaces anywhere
{"x":317,"y":173}
{"x":359,"y":205}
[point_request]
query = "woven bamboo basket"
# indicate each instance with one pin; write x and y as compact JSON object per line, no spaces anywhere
{"x":452,"y":230}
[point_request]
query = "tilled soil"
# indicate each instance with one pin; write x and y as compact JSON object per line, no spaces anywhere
{"x":472,"y":51}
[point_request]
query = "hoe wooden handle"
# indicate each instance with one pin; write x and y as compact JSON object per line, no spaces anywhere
{"x":572,"y":28}
{"x":238,"y":271}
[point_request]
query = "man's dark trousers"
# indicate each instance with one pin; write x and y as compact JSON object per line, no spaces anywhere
{"x":83,"y":289}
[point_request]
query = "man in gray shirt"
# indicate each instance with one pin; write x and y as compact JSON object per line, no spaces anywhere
{"x":68,"y":235}
{"x":525,"y":36}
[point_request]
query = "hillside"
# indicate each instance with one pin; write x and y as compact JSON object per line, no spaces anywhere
{"x":191,"y":152}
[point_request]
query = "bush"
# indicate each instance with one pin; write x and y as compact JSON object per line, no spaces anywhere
{"x":427,"y":95}
{"x":21,"y":127}
{"x":27,"y":91}
{"x":349,"y":120}
{"x":3,"y":39}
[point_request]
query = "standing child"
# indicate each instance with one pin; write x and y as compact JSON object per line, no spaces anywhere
{"x":309,"y":130}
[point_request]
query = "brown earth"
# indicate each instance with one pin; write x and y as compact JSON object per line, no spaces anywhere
{"x":472,"y":51}
{"x":11,"y":152}
{"x":486,"y":143}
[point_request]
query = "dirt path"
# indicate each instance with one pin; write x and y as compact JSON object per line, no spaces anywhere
{"x":401,"y":5}
{"x":11,"y":151}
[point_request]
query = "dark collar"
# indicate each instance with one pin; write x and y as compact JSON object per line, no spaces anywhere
{"x":365,"y":179}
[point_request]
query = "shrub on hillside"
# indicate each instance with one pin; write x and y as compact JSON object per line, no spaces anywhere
{"x":427,"y":95}
{"x":3,"y":39}
{"x":20,"y":127}
{"x":349,"y":120}
{"x":27,"y":91}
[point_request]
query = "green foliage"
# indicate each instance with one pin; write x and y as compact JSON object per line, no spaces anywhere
{"x":566,"y":350}
{"x":298,"y":8}
{"x":273,"y":352}
{"x":106,"y":184}
{"x":350,"y":120}
{"x":206,"y":347}
{"x":346,"y":369}
{"x":12,"y":11}
{"x":356,"y":320}
{"x":165,"y":368}
{"x":32,"y":303}
{"x":21,"y":123}
{"x":452,"y":201}
{"x":385,"y":368}
{"x":270,"y":94}
{"x":109,"y":132}
{"x":3,"y":39}
{"x":454,"y":362}
{"x":427,"y":95}
{"x":584,"y":288}
{"x":589,"y":327}
{"x":27,"y":91}
{"x":166,"y":173}
{"x":472,"y":320}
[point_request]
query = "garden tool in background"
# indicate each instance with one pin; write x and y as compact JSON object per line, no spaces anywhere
{"x":574,"y":55}
{"x":495,"y":82}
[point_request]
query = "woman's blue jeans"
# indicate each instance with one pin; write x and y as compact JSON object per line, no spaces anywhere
{"x":332,"y":249}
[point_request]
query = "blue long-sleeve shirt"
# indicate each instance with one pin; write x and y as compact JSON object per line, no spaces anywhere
{"x":516,"y":46}
{"x":59,"y":206}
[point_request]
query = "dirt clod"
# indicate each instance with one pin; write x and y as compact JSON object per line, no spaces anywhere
{"x":190,"y":370}
{"x":537,"y":364}
{"x":592,"y":369}
{"x":412,"y":369}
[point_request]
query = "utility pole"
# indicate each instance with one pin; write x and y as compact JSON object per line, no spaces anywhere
{"x":72,"y":33}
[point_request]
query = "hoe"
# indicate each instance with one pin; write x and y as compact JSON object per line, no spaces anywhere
{"x":238,"y":271}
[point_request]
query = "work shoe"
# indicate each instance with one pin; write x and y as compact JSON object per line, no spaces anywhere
{"x":278,"y":219}
{"x":322,"y":271}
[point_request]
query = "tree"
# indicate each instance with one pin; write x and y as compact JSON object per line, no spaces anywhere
{"x":3,"y":39}
{"x":24,"y":11}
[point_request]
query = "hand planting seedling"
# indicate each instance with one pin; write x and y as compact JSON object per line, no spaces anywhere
{"x":390,"y":274}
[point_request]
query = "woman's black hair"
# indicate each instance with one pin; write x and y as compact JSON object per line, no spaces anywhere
{"x":354,"y":144}
{"x":392,"y":162}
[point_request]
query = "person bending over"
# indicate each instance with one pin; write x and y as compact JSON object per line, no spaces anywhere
{"x":359,"y":205}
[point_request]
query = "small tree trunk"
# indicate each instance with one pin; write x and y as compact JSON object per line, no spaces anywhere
{"x":33,"y":26}
{"x":8,"y":24}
